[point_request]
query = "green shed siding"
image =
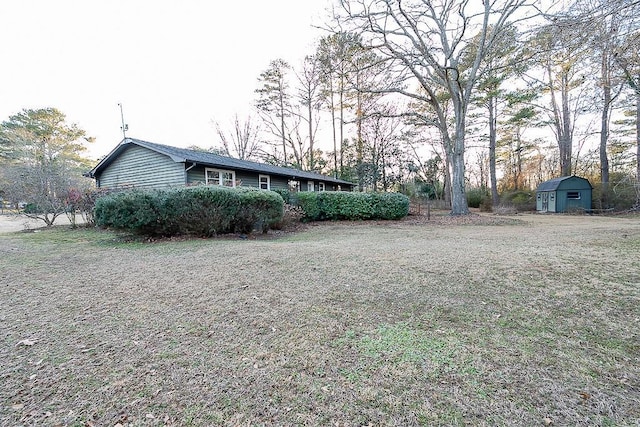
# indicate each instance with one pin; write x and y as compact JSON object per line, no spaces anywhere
{"x":139,"y":167}
{"x":564,"y":194}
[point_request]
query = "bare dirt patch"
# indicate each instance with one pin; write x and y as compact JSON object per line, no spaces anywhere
{"x":523,"y":321}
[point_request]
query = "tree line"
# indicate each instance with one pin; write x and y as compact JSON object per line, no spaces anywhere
{"x":433,"y":97}
{"x":453,"y":95}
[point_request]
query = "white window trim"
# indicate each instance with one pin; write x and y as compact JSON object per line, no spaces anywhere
{"x":310,"y":186}
{"x":221,"y":172}
{"x":297,"y":186}
{"x":268,"y":181}
{"x":321,"y":186}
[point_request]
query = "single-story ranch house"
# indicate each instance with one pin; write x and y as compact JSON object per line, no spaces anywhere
{"x":142,"y":164}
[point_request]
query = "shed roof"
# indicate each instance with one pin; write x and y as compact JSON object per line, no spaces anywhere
{"x":553,"y":184}
{"x":185,"y":155}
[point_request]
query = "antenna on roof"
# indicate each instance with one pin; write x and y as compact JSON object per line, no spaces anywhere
{"x":124,"y":127}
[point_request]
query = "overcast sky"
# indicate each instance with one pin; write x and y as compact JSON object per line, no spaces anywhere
{"x":174,"y":65}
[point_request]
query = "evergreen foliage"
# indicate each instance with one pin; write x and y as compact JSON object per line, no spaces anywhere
{"x":198,"y":211}
{"x":337,"y":205}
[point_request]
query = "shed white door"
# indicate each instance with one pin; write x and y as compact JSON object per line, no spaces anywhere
{"x":552,"y":201}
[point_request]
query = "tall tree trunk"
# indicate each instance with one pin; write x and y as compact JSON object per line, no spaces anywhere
{"x":333,"y":129}
{"x":459,"y":204}
{"x":605,"y":75}
{"x":359,"y":142}
{"x":638,"y":137}
{"x":282,"y":128}
{"x":446,"y":191}
{"x":495,"y":197}
{"x":561,"y":119}
{"x":566,"y":143}
{"x":310,"y":129}
{"x":341,"y":123}
{"x":604,"y":137}
{"x":517,"y":181}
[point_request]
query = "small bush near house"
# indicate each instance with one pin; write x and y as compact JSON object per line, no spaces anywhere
{"x":135,"y":210}
{"x":284,"y":193}
{"x":198,"y":211}
{"x":337,"y":205}
{"x":259,"y":209}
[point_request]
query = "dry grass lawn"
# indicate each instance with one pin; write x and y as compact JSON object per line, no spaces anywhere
{"x":515,"y":322}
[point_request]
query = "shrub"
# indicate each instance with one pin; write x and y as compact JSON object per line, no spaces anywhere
{"x":134,"y":210}
{"x":337,"y":205}
{"x":200,"y":211}
{"x":623,"y":193}
{"x":390,"y":205}
{"x":476,"y":196}
{"x":522,"y":200}
{"x":284,"y":193}
{"x":259,"y":210}
{"x":84,"y":202}
{"x":32,"y":208}
{"x":486,"y":205}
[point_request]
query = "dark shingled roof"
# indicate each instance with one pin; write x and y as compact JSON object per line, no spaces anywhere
{"x":553,"y":184}
{"x":184,"y":155}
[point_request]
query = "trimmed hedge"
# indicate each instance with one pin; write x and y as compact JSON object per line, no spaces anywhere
{"x":339,"y":205}
{"x":199,"y":211}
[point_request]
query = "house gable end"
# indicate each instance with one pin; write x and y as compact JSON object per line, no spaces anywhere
{"x":139,"y":167}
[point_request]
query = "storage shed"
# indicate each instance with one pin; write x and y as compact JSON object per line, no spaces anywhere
{"x":564,"y":194}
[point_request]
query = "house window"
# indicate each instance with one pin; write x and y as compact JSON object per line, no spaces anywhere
{"x":321,"y":186}
{"x":265,"y":182}
{"x":220,"y":177}
{"x":309,"y":185}
{"x":294,"y":186}
{"x":575,"y":195}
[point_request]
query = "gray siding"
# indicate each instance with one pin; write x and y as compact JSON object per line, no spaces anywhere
{"x":196,"y":176}
{"x":142,"y":168}
{"x":279,"y":183}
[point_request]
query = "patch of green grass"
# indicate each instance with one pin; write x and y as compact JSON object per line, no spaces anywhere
{"x":402,"y":343}
{"x":62,"y":235}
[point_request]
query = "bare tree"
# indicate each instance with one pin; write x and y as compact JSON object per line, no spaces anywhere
{"x":628,"y":58}
{"x":423,"y":43}
{"x":243,"y":141}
